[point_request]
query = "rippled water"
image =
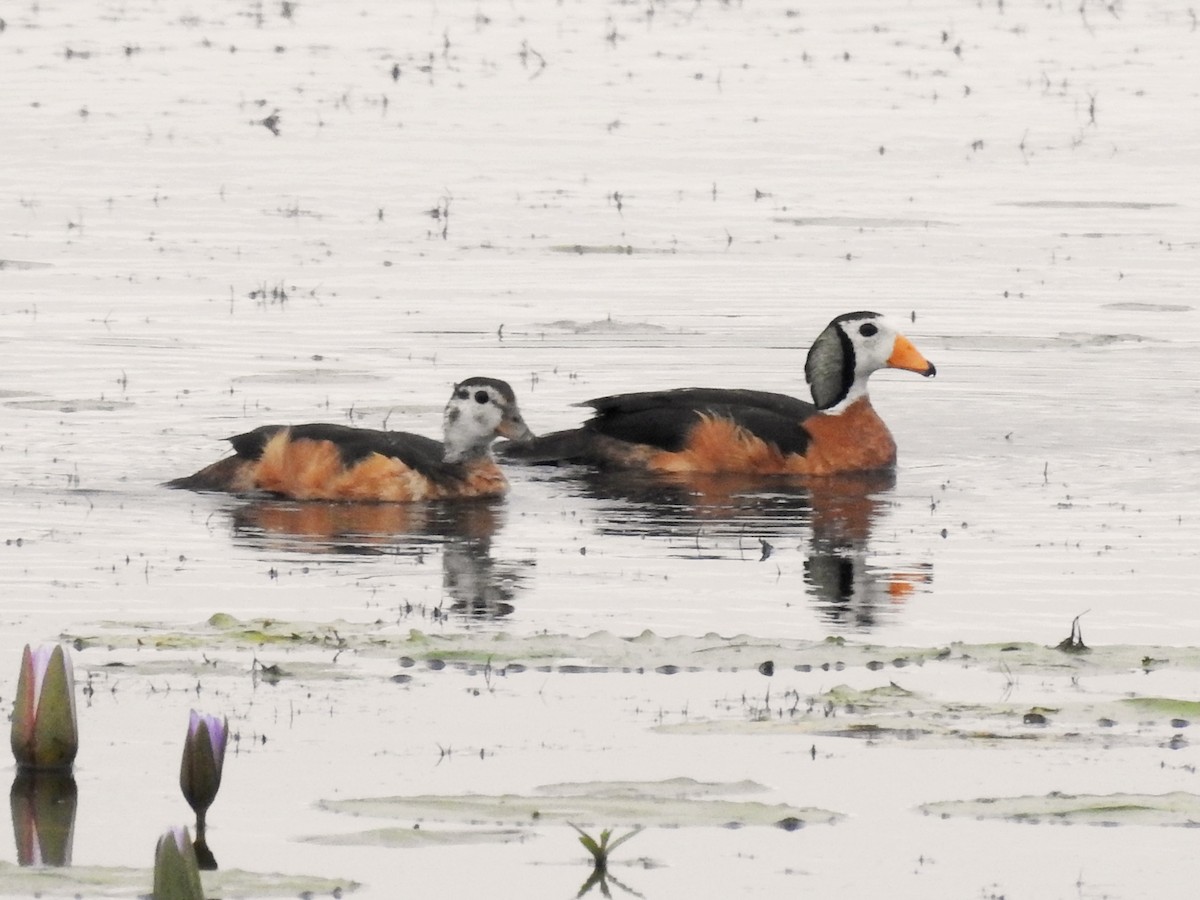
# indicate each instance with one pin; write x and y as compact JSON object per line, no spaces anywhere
{"x":586,"y":198}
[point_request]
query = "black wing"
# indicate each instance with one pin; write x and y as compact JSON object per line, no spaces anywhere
{"x":702,"y":398}
{"x":665,"y":418}
{"x":353,"y":444}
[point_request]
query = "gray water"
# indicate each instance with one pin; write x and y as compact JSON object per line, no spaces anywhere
{"x":582,"y":199}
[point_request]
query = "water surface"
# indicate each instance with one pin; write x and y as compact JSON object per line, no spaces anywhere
{"x":584,"y":199}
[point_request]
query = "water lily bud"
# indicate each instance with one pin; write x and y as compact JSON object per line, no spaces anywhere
{"x":203,"y":760}
{"x":45,"y":734}
{"x":176,"y":874}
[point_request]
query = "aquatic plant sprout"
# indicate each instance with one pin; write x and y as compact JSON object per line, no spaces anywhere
{"x":602,"y":848}
{"x":600,"y":851}
{"x":45,"y":731}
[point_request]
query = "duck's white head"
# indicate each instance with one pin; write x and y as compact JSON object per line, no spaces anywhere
{"x":479,"y":411}
{"x":850,"y":348}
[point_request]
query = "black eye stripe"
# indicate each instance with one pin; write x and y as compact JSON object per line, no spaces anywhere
{"x":482,"y":397}
{"x":461,"y":393}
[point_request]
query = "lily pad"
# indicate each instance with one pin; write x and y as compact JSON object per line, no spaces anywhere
{"x":1164,"y":706}
{"x":864,"y":222}
{"x":1134,"y":306}
{"x":675,"y":803}
{"x":23,"y":264}
{"x":417,"y":838}
{"x":605,"y":326}
{"x":1089,"y":204}
{"x":890,"y":712}
{"x":1178,"y":808}
{"x":610,"y":249}
{"x":304,"y":652}
{"x":90,"y":881}
{"x":309,"y":376}
{"x":71,"y":406}
{"x":602,"y":649}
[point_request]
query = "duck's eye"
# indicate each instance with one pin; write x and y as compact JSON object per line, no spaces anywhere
{"x":868,"y":329}
{"x":462,"y":393}
{"x":482,"y":397}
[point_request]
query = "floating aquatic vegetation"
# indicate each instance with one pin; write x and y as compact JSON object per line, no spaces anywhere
{"x":674,"y":803}
{"x":892,"y":713}
{"x":604,"y":326}
{"x":107,"y":881}
{"x":309,"y":376}
{"x":1167,"y":706}
{"x":603,"y":650}
{"x":82,"y":404}
{"x":409,"y":838}
{"x":23,"y":264}
{"x":910,"y":704}
{"x":581,"y":249}
{"x":1178,"y":808}
{"x":862,"y":222}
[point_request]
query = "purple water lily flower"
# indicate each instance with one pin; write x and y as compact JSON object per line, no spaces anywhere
{"x":45,"y":732}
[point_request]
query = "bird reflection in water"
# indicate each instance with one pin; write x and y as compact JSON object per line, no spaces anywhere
{"x":834,"y":516}
{"x":478,"y":585}
{"x":852,"y":590}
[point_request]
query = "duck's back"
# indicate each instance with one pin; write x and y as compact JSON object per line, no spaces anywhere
{"x":323,"y":461}
{"x":352,"y":444}
{"x":667,"y":419}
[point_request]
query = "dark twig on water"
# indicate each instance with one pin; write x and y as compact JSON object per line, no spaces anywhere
{"x":1073,"y":643}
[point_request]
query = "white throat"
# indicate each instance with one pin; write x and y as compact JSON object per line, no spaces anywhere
{"x":857,"y":391}
{"x":468,"y":430}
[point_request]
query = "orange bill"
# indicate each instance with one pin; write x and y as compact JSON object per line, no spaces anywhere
{"x":906,"y":356}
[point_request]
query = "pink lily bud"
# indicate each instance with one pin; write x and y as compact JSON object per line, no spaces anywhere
{"x":45,"y":733}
